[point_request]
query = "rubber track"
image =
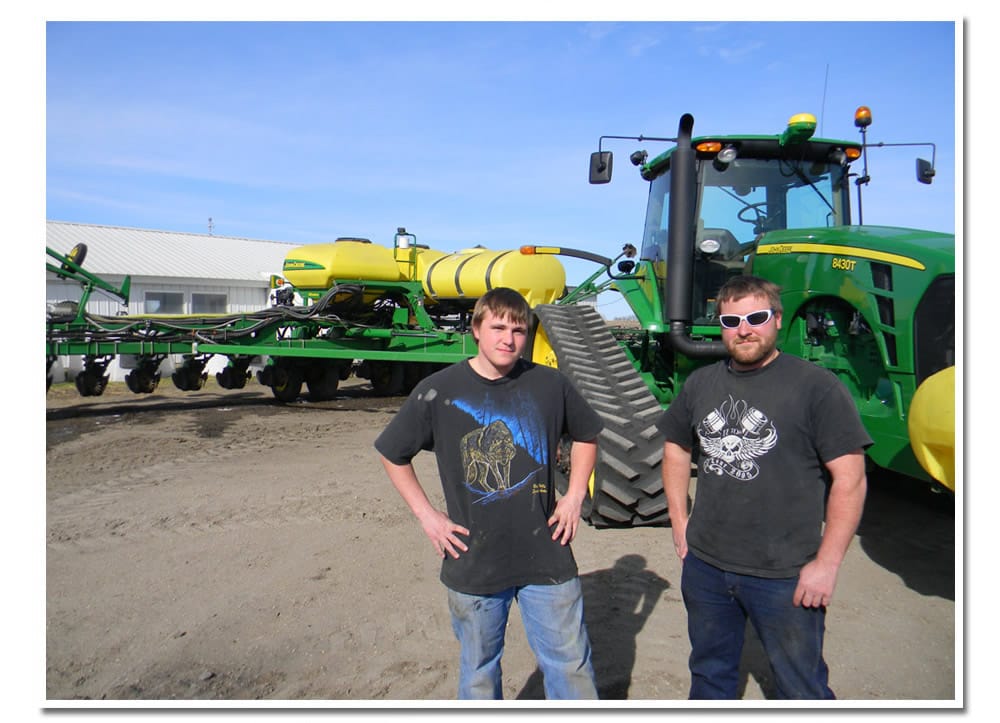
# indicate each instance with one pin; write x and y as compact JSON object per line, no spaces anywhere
{"x":628,"y":489}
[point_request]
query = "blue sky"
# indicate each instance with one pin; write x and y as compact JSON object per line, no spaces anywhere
{"x":465,"y":133}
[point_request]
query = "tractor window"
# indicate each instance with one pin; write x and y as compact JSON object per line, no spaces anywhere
{"x":736,"y":205}
{"x":741,"y":210}
{"x":750,"y":197}
{"x":654,"y":236}
{"x":813,"y":198}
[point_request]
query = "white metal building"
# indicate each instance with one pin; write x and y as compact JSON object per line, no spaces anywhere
{"x":172,"y":273}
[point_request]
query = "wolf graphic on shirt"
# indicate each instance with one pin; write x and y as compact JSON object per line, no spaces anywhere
{"x":486,"y":454}
{"x":732,"y":437}
{"x":506,"y":452}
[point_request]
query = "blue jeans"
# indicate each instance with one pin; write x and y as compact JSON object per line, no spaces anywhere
{"x":553,"y":623}
{"x":718,"y":605}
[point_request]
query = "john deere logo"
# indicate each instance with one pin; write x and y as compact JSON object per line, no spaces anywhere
{"x":838,"y":250}
{"x":297,"y":265}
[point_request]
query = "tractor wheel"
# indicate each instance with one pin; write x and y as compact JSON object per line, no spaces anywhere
{"x":539,"y":348}
{"x":562,"y":478}
{"x":142,"y":380}
{"x":77,"y":254}
{"x":323,"y":379}
{"x":626,"y":489}
{"x":413,"y":372}
{"x":189,"y":379}
{"x":387,"y":378}
{"x":287,"y":383}
{"x":91,"y":383}
{"x":232,"y":378}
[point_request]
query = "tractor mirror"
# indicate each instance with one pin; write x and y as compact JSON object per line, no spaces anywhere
{"x":600,"y":167}
{"x":925,"y":171}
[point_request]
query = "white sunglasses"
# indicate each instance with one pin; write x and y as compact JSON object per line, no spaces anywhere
{"x":754,"y":318}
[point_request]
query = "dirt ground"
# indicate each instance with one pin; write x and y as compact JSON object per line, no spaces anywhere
{"x":219,"y":546}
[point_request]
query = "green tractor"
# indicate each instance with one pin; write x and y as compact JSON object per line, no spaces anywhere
{"x":874,"y":304}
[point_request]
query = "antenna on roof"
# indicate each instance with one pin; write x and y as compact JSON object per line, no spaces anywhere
{"x":822,"y":107}
{"x":211,"y":226}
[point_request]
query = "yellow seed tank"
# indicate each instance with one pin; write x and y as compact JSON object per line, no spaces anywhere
{"x":464,"y":275}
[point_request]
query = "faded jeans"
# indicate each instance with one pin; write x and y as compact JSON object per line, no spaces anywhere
{"x":553,"y":622}
{"x":718,"y":606}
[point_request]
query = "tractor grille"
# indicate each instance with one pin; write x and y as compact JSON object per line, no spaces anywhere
{"x":934,"y":328}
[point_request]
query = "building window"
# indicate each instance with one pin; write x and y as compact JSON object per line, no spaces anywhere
{"x":208,"y":303}
{"x":164,"y":302}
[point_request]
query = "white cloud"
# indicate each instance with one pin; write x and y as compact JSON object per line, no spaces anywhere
{"x":740,"y":53}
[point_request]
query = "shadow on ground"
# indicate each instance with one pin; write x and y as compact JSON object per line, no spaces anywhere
{"x":908,"y":528}
{"x":617,"y":604}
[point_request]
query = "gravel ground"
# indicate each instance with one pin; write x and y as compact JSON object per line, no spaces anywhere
{"x":216,"y":546}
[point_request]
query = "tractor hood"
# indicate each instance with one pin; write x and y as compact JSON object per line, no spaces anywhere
{"x":922,"y":250}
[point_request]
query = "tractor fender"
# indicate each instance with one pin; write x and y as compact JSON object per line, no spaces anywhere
{"x":931,"y":425}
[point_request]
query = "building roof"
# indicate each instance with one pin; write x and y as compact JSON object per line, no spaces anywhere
{"x":113,"y":250}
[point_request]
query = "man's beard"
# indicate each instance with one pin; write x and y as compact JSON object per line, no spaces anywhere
{"x":752,"y":352}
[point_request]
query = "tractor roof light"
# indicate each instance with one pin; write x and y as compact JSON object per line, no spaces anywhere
{"x":709,"y":246}
{"x":800,"y":129}
{"x":853,"y":154}
{"x":838,"y":157}
{"x":708,"y":147}
{"x":863,"y":117}
{"x":727,"y":154}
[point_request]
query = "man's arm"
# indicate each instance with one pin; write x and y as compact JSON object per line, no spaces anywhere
{"x":844,"y":506}
{"x":442,"y":532}
{"x":676,"y":470}
{"x":566,"y":516}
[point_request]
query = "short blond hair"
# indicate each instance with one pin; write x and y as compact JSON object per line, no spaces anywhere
{"x":504,"y":303}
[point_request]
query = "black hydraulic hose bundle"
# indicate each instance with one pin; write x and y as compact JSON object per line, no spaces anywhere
{"x":169,"y":329}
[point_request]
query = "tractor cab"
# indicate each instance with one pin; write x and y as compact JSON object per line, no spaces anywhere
{"x":744,"y":188}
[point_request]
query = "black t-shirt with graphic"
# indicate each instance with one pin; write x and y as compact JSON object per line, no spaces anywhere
{"x":761,"y":439}
{"x":495,"y":442}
